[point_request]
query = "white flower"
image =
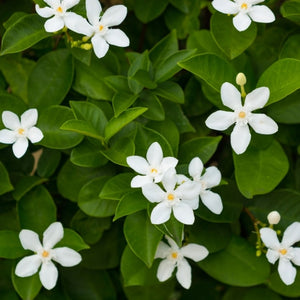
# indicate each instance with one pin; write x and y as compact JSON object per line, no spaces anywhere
{"x":175,"y":198}
{"x":242,"y":116}
{"x":283,"y":251}
{"x":274,"y":217}
{"x":152,"y":169}
{"x":244,"y":11}
{"x":44,"y":254}
{"x":98,"y":26}
{"x":175,"y":257}
{"x":58,"y":11}
{"x":211,"y":178}
{"x":19,"y":132}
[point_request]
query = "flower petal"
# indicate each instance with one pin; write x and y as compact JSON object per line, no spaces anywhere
{"x":52,"y":235}
{"x":93,"y":10}
{"x":160,"y":213}
{"x":45,"y":12}
{"x":165,"y":269}
{"x":117,"y":37}
{"x":269,"y":238}
{"x":100,"y":46}
{"x":241,"y":21}
{"x":195,"y":167}
{"x":257,"y":98}
{"x":169,"y":180}
{"x":78,"y":24}
{"x":30,"y":240}
{"x":7,"y":136}
{"x":153,"y":192}
{"x":138,"y":164}
{"x":70,"y":3}
{"x":154,"y":154}
{"x":296,"y":256}
{"x":162,"y":250}
{"x":52,"y":3}
{"x":20,"y":147}
{"x":10,"y":120}
{"x":263,"y":124}
{"x":114,"y":15}
{"x":54,"y":24}
{"x":220,"y":120}
{"x":184,"y":273}
{"x":48,"y":275}
{"x":287,"y":271}
{"x":291,"y":235}
{"x":35,"y":135}
{"x":261,"y":14}
{"x":140,"y":181}
{"x":167,"y":163}
{"x":240,"y":138}
{"x":188,"y":190}
{"x":67,"y":257}
{"x":28,"y":265}
{"x":212,"y":201}
{"x":230,"y":95}
{"x":172,"y":243}
{"x":194,"y":252}
{"x":193,"y":203}
{"x":184,"y":213}
{"x":212,"y":177}
{"x":272,"y":255}
{"x":225,"y":6}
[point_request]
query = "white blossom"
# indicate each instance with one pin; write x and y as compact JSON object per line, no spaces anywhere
{"x":20,"y":131}
{"x":173,"y":257}
{"x":245,"y":11}
{"x":283,"y":251}
{"x":273,"y":217}
{"x":44,"y":254}
{"x":242,"y":116}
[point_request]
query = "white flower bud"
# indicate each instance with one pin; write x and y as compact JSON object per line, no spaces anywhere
{"x":240,"y":79}
{"x":274,"y":217}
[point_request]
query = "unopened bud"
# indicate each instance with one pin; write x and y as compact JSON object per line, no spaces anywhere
{"x":85,"y":38}
{"x":240,"y":79}
{"x":274,"y":217}
{"x":86,"y":46}
{"x":258,"y":253}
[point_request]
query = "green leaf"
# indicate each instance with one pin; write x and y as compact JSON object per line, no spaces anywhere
{"x":257,"y":293}
{"x":48,"y":162}
{"x":259,"y":171}
{"x":290,"y":10}
{"x":10,"y":246}
{"x":24,"y":33}
{"x":230,"y":40}
{"x":143,"y":77}
{"x":229,"y":265}
{"x":171,"y":91}
{"x":142,"y":237}
{"x":282,"y":78}
{"x":72,"y":240}
{"x":5,"y":184}
{"x":121,"y":101}
{"x":290,"y":48}
{"x":150,"y":10}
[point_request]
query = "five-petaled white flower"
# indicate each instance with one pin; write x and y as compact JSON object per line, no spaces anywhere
{"x":58,"y":11}
{"x":175,"y":257}
{"x":242,"y":116}
{"x":44,"y":254}
{"x":245,"y":10}
{"x":283,"y":251}
{"x":176,"y":198}
{"x":152,"y":169}
{"x":99,"y":27}
{"x":19,"y":132}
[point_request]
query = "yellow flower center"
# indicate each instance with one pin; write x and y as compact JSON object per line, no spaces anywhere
{"x":283,"y":251}
{"x":244,"y":6}
{"x":21,"y":131}
{"x":154,"y":171}
{"x":174,"y":255}
{"x":171,"y":197}
{"x":59,"y":9}
{"x":45,"y":253}
{"x":101,"y":27}
{"x":242,"y":114}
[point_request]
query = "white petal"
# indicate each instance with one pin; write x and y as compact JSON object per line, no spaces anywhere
{"x":54,"y":24}
{"x":188,"y":190}
{"x":114,"y":15}
{"x":30,"y":240}
{"x":212,"y":201}
{"x":257,"y":98}
{"x":52,"y":3}
{"x":263,"y":124}
{"x":167,"y":163}
{"x":70,"y":3}
{"x":78,"y":24}
{"x":138,"y":164}
{"x":153,"y":192}
{"x":117,"y":37}
{"x":140,"y":181}
{"x":182,"y":179}
{"x":93,"y":10}
{"x":35,"y":134}
{"x":286,"y":271}
{"x":195,"y":167}
{"x":194,"y":252}
{"x":291,"y":235}
{"x":261,"y":14}
{"x":230,"y":95}
{"x":184,"y":273}
{"x":52,"y":235}
{"x":10,"y":120}
{"x":269,"y":238}
{"x":212,"y":177}
{"x":154,"y":154}
{"x":162,"y":250}
{"x":100,"y":46}
{"x":296,"y":256}
{"x":193,"y":203}
{"x":184,"y":213}
{"x":165,"y":269}
{"x":67,"y":257}
{"x":241,"y":21}
{"x":48,"y":275}
{"x":7,"y":136}
{"x":240,"y":138}
{"x":28,"y":266}
{"x":20,"y":147}
{"x":272,"y":255}
{"x":225,"y":6}
{"x":172,"y":243}
{"x":45,"y":12}
{"x":220,"y":120}
{"x":169,"y":180}
{"x":160,"y":213}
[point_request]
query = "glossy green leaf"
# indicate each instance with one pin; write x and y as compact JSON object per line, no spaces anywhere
{"x":290,"y":48}
{"x":48,"y":162}
{"x":144,"y":78}
{"x":121,"y":101}
{"x":72,"y":240}
{"x":10,"y":246}
{"x":5,"y":184}
{"x":148,"y":11}
{"x":171,"y":91}
{"x":258,"y":293}
{"x":290,"y":10}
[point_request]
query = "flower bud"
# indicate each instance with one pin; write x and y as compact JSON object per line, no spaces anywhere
{"x":86,"y":46}
{"x":240,"y":79}
{"x":85,"y":38}
{"x":273,"y":217}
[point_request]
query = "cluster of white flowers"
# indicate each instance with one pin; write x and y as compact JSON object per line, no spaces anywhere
{"x":97,"y":27}
{"x":177,"y":193}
